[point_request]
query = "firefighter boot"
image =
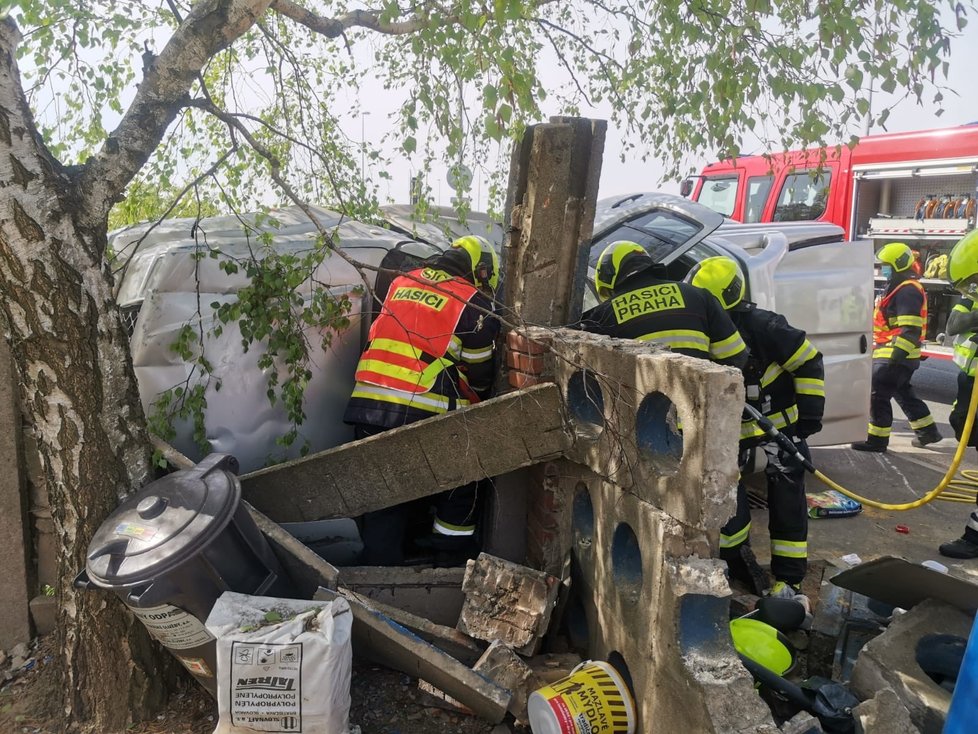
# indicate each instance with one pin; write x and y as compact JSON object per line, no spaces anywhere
{"x":926,"y":436}
{"x":876,"y":444}
{"x":959,"y":548}
{"x":967,"y":545}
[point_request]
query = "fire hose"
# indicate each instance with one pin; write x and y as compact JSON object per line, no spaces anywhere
{"x":950,"y":489}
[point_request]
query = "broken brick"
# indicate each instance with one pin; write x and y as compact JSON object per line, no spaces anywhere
{"x":508,"y":602}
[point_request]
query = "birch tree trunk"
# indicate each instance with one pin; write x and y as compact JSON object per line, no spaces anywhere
{"x":72,"y":358}
{"x":72,"y":353}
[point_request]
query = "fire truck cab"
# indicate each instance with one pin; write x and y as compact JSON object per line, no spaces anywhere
{"x":915,"y":187}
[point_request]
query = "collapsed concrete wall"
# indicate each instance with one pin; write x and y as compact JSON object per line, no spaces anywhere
{"x":631,"y":456}
{"x":637,"y":507}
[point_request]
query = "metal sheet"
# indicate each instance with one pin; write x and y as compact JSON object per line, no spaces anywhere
{"x":904,"y":584}
{"x":175,"y":286}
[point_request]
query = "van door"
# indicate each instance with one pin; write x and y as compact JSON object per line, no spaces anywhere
{"x":804,"y":194}
{"x":722,"y":194}
{"x":827,"y":290}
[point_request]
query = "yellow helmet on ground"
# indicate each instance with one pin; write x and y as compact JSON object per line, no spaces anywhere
{"x":618,"y":261}
{"x":962,"y":266}
{"x":485,"y":261}
{"x":896,"y":254}
{"x":722,"y":277}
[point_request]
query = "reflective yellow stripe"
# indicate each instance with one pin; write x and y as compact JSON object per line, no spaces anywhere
{"x":964,"y":352}
{"x":789,"y":548}
{"x":879,"y":431}
{"x":730,"y":541}
{"x":922,"y":423}
{"x":446,"y":528}
{"x":425,"y":379}
{"x":479,"y":355}
{"x":810,"y":386}
{"x":728,"y":347}
{"x":771,"y":374}
{"x":424,"y":401}
{"x":780,"y":419}
{"x":904,"y":344}
{"x":396,"y":347}
{"x":804,"y":353}
{"x":905,"y":320}
{"x":961,"y":308}
{"x":679,"y":339}
{"x":391,"y":370}
{"x":887,"y":353}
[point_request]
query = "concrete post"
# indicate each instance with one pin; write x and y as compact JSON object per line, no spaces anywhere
{"x":553,"y":187}
{"x":17,"y":574}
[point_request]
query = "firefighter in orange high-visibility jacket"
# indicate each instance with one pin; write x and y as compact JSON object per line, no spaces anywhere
{"x":899,"y":324}
{"x":785,"y":380}
{"x":430,"y":350}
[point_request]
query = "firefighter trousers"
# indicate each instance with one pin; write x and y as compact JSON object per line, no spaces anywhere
{"x":959,"y":414}
{"x":959,"y":411}
{"x":891,"y":381}
{"x":787,"y":515}
{"x":384,"y":532}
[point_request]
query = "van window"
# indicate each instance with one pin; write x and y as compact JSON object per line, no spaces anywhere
{"x":720,"y":194}
{"x":803,"y":196}
{"x":660,"y":232}
{"x":758,"y":189}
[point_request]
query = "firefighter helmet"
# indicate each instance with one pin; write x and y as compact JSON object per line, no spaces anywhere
{"x":722,"y":277}
{"x":962,"y":267}
{"x":896,"y":254}
{"x":618,"y":261}
{"x":483,"y":259}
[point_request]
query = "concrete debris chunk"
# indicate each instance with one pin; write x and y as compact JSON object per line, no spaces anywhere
{"x":411,"y":462}
{"x":803,"y":723}
{"x":505,"y":668}
{"x":883,"y":714}
{"x":508,"y":602}
{"x":890,"y":661}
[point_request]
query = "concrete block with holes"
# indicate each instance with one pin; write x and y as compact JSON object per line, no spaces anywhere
{"x":649,"y":598}
{"x":637,"y":504}
{"x":658,"y":424}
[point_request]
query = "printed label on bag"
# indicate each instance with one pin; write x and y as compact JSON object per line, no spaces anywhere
{"x":173,"y":627}
{"x":266,"y":687}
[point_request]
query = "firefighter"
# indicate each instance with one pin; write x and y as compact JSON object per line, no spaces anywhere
{"x":430,"y":351}
{"x":785,"y":381}
{"x":638,"y":304}
{"x":898,"y":327}
{"x":963,"y":326}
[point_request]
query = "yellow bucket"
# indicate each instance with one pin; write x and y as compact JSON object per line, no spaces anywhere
{"x":592,"y":699}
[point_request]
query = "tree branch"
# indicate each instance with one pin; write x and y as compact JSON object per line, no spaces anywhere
{"x":210,"y":27}
{"x":427,"y":15}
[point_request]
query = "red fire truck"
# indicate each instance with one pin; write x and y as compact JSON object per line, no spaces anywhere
{"x":914,"y":187}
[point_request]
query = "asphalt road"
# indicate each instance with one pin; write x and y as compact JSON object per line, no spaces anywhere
{"x":902,"y":474}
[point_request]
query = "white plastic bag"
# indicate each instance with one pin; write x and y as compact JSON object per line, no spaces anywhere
{"x":283,"y":665}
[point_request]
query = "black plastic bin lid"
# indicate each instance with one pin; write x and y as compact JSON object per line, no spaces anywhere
{"x":165,"y":524}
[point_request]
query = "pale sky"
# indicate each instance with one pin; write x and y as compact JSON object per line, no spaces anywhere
{"x":618,"y":177}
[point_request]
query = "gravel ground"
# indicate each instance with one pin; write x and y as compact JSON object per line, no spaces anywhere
{"x":383,"y":702}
